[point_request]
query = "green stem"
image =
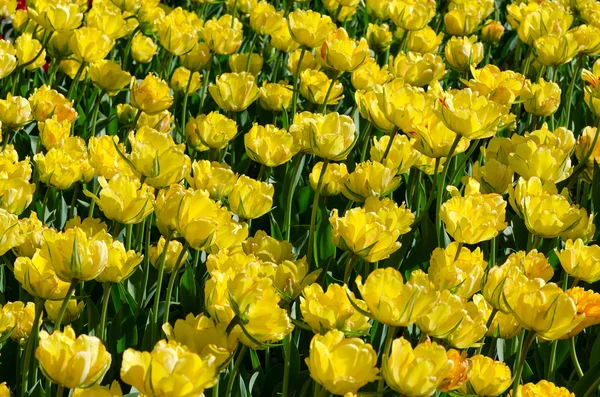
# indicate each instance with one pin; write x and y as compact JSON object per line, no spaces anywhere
{"x":287,"y":347}
{"x":31,"y":342}
{"x":205,"y":84}
{"x":569,"y":97}
{"x":96,"y":111}
{"x":252,"y":45}
{"x":492,"y":252}
{"x":333,"y":81}
{"x":363,"y":153}
{"x":552,"y":363}
{"x":440,"y":190}
{"x":234,"y":370}
{"x":389,"y":338}
{"x":93,"y":203}
{"x":574,"y":357}
{"x":296,"y":80}
{"x":519,"y":370}
{"x":172,"y":279}
{"x":313,"y":216}
{"x":287,"y":220}
{"x":128,"y":48}
{"x":59,"y":391}
{"x":75,"y":81}
{"x":147,"y":231}
{"x":129,"y":237}
{"x":72,"y":211}
{"x":105,"y":299}
{"x":65,"y":302}
{"x":593,"y":389}
{"x":185,"y":102}
{"x":349,"y":268}
{"x":161,"y":273}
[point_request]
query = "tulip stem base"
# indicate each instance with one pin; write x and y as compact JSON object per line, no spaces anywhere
{"x":103,"y":315}
{"x":234,"y":370}
{"x":296,"y":81}
{"x":172,"y":279}
{"x":30,"y":348}
{"x":65,"y":303}
{"x":517,"y":374}
{"x":389,"y":338}
{"x":440,"y":190}
{"x":161,"y":273}
{"x":313,"y":216}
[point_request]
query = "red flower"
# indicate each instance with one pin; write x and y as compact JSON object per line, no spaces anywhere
{"x":22,"y":5}
{"x":46,"y":66}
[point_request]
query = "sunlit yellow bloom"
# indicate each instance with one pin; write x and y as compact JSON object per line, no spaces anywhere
{"x":203,"y":336}
{"x":4,"y":390}
{"x":172,"y":255}
{"x":90,"y":44}
{"x":238,"y":62}
{"x":370,"y":179}
{"x":492,"y":31}
{"x":461,"y":53}
{"x":169,"y":370}
{"x":81,"y":361}
{"x":371,"y":232}
{"x":542,"y":388}
{"x":152,"y":95}
{"x":224,"y":35}
{"x":100,"y":391}
{"x":412,"y":15}
{"x":121,"y":263}
{"x":541,"y":98}
{"x":71,"y":313}
{"x":199,"y":56}
{"x":250,"y":198}
{"x":403,"y":105}
{"x":474,"y":217}
{"x":332,"y":309}
{"x":275,"y":96}
{"x":211,"y":130}
{"x":198,"y":219}
{"x":554,"y":50}
{"x":588,"y":304}
{"x":418,"y":70}
{"x":500,"y":86}
{"x":37,"y":276}
{"x":62,"y":167}
{"x":143,"y":48}
{"x":15,"y":112}
{"x":445,"y":317}
{"x":471,"y":329}
{"x":216,"y":178}
{"x":549,"y":215}
{"x":333,"y":180}
{"x":108,"y":76}
{"x":18,"y":316}
{"x":580,"y":261}
{"x":462,"y":21}
{"x":460,"y":273}
{"x":379,"y":37}
{"x":31,"y":229}
{"x":185,"y":82}
{"x":415,"y":372}
{"x":333,"y":136}
{"x":314,"y":86}
{"x":368,"y":106}
{"x":487,"y":377}
{"x":105,"y":158}
{"x":342,"y":53}
{"x":269,"y":145}
{"x":264,"y":15}
{"x":268,"y":249}
{"x":176,"y":37}
{"x":8,"y":59}
{"x":393,"y":302}
{"x":54,"y":133}
{"x":28,"y":51}
{"x":424,"y":41}
{"x":309,"y":61}
{"x":309,"y":28}
{"x":234,"y":92}
{"x":341,"y":365}
{"x":368,"y":74}
{"x":401,"y":156}
{"x":108,"y":20}
{"x":46,"y":103}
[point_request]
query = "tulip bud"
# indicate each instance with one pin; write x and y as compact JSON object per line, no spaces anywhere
{"x":492,"y":31}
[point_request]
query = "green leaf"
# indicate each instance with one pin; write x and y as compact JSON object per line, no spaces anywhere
{"x":590,"y":378}
{"x":188,"y":291}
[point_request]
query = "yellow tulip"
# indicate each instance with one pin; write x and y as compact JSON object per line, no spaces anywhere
{"x":424,"y":41}
{"x":401,"y":156}
{"x":309,"y":28}
{"x":54,"y":133}
{"x":333,"y":136}
{"x":183,"y":83}
{"x":90,"y":44}
{"x":332,"y":182}
{"x":72,"y":311}
{"x":195,"y":59}
{"x":549,"y":215}
{"x":416,"y":372}
{"x":309,"y":61}
{"x":152,"y":95}
{"x":275,"y":96}
{"x":108,"y":76}
{"x":57,"y":17}
{"x":492,"y":31}
{"x":211,"y":130}
{"x":462,"y":21}
{"x":28,"y":49}
{"x":143,"y":48}
{"x":15,"y":112}
{"x":100,"y":391}
{"x":542,"y":388}
{"x":72,"y":361}
{"x":10,"y":230}
{"x":580,"y":261}
{"x":19,"y":317}
{"x":501,"y":86}
{"x":177,"y":37}
{"x":445,"y":317}
{"x":171,"y":257}
{"x":461,"y":273}
{"x":368,"y":106}
{"x":38,"y":277}
{"x":120,"y":265}
{"x":418,"y":70}
{"x":379,"y":37}
{"x":197,"y":219}
{"x":4,"y":390}
{"x":109,"y":21}
{"x":471,"y":329}
{"x":8,"y":58}
{"x":588,"y":304}
{"x":224,"y":35}
{"x":368,"y":74}
{"x":541,"y":98}
{"x":314,"y":86}
{"x":487,"y":377}
{"x":250,"y":198}
{"x":370,"y":179}
{"x":234,"y":92}
{"x":46,"y":103}
{"x":342,"y":53}
{"x":412,"y":15}
{"x":269,"y":145}
{"x":341,"y":365}
{"x":216,"y":178}
{"x":262,"y":15}
{"x":105,"y":159}
{"x":238,"y":62}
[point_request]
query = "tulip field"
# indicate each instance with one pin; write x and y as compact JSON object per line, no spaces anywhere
{"x":299,"y":198}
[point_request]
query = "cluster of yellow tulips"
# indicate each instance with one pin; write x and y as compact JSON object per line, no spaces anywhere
{"x":296,"y":197}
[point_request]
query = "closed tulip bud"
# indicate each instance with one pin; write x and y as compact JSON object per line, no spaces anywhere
{"x":143,"y":48}
{"x":314,"y":86}
{"x":332,"y":183}
{"x":152,"y":95}
{"x":37,"y":276}
{"x":195,"y":59}
{"x":325,"y":311}
{"x":15,"y":112}
{"x":369,"y":108}
{"x":471,"y":329}
{"x":332,"y":137}
{"x":461,"y":53}
{"x":71,"y":313}
{"x":211,"y":130}
{"x":124,"y":199}
{"x":412,"y":15}
{"x":579,"y":260}
{"x":445,"y":317}
{"x":29,"y":51}
{"x":201,"y":335}
{"x":18,"y":317}
{"x":370,"y":179}
{"x":105,"y":159}
{"x":182,"y":83}
{"x":291,"y":276}
{"x":492,"y":31}
{"x":470,"y":114}
{"x":369,"y":74}
{"x":171,"y":257}
{"x":487,"y":377}
{"x":393,"y":302}
{"x":197,"y":219}
{"x":223,"y":36}
{"x":100,"y":391}
{"x":155,"y":373}
{"x":418,"y":70}
{"x":309,"y":28}
{"x":473,"y":217}
{"x":251,"y":199}
{"x":540,"y":307}
{"x":378,"y":236}
{"x":57,"y":17}
{"x":461,"y":273}
{"x":343,"y":54}
{"x":379,"y":37}
{"x":120,"y":265}
{"x":584,"y":230}
{"x":341,"y":365}
{"x":46,"y":103}
{"x":234,"y":92}
{"x":257,"y":304}
{"x":462,"y":21}
{"x":216,"y":178}
{"x":541,"y":98}
{"x":238,"y":62}
{"x":72,"y":362}
{"x":542,"y":388}
{"x":275,"y":97}
{"x":416,"y":372}
{"x":269,"y":145}
{"x":8,"y":59}
{"x":108,"y":76}
{"x":90,"y":44}
{"x":401,"y":156}
{"x":309,"y":61}
{"x":423,"y":41}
